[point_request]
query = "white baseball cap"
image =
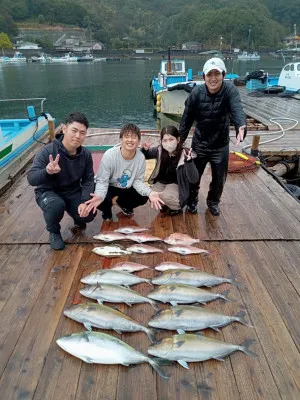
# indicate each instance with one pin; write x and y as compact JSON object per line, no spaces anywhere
{"x":214,"y":63}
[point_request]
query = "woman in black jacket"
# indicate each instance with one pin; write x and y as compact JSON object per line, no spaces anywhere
{"x":174,"y":170}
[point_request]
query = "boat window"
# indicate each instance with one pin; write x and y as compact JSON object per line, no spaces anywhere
{"x":298,"y":67}
{"x":287,"y":67}
{"x":292,"y":67}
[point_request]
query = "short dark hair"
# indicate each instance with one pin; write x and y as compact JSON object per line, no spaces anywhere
{"x":130,"y":128}
{"x":77,"y":117}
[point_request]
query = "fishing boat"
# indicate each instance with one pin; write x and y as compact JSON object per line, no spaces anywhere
{"x":17,"y":136}
{"x":41,"y":58}
{"x":290,"y":77}
{"x":67,"y":58}
{"x":245,"y":56}
{"x":18,"y":58}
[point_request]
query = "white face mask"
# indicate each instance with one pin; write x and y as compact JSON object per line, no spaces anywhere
{"x":170,"y":147}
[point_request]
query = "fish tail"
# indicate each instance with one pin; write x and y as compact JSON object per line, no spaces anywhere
{"x":241,"y":318}
{"x":151,"y":334}
{"x":224,"y":295}
{"x":154,"y":305}
{"x":244,"y":347}
{"x":231,"y":279}
{"x":156,"y":364}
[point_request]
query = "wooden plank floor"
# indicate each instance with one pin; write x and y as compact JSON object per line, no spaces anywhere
{"x":256,"y":238}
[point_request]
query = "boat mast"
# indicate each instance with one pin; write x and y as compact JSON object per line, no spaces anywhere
{"x":169,"y":65}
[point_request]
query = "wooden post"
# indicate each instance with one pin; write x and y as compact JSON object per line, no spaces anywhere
{"x":51,"y":128}
{"x":255,"y":144}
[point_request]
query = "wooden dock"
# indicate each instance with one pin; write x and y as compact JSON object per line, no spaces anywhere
{"x":256,"y":238}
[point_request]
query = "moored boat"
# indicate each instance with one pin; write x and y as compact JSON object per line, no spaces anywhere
{"x":245,"y":56}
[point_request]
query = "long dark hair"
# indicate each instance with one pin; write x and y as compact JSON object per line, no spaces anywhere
{"x":172,"y":131}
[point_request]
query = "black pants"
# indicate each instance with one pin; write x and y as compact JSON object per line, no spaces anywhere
{"x":127,"y":198}
{"x":218,"y":160}
{"x":54,"y":205}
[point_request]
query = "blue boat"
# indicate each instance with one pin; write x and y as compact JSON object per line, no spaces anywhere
{"x":17,"y":136}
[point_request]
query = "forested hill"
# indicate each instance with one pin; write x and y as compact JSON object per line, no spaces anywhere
{"x":154,"y":23}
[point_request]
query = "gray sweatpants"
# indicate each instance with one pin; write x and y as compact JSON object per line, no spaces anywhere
{"x":169,"y":194}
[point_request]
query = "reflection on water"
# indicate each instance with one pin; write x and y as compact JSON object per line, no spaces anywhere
{"x":110,"y":93}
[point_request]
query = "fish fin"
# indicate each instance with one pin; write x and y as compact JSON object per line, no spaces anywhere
{"x":174,"y":303}
{"x":181,"y":331}
{"x":87,"y":326}
{"x":88,"y":360}
{"x":244,"y":347}
{"x":156,"y":364}
{"x":232,"y":279}
{"x":215,"y":328}
{"x":130,"y":305}
{"x":154,"y":305}
{"x":241,"y":318}
{"x":151,"y":334}
{"x":183,"y":363}
{"x":118,"y":331}
{"x":224,"y":296}
{"x":219,"y":358}
{"x":100,"y":301}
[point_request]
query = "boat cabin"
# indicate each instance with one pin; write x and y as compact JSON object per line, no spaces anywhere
{"x":290,"y":77}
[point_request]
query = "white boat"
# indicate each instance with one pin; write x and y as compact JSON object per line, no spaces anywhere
{"x":245,"y":56}
{"x":18,"y":58}
{"x":290,"y":77}
{"x":18,"y":136}
{"x":42,"y":58}
{"x":67,"y":58}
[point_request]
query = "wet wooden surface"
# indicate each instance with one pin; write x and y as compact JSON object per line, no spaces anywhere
{"x":256,"y":239}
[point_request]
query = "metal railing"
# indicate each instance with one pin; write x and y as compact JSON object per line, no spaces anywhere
{"x":28,"y":99}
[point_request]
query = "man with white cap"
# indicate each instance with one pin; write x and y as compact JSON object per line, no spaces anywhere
{"x":211,"y":106}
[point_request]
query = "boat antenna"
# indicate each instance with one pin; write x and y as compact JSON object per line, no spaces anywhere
{"x":169,"y":65}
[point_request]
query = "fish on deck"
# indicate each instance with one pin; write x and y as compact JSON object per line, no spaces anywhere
{"x":143,"y":249}
{"x":128,"y":266}
{"x":110,"y":251}
{"x":109,"y":236}
{"x":167,"y":265}
{"x":113,"y":277}
{"x":142,"y":237}
{"x":130,"y":229}
{"x":180,"y":239}
{"x":187,"y":250}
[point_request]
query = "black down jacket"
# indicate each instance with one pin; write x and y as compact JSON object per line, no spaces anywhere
{"x":212,"y":114}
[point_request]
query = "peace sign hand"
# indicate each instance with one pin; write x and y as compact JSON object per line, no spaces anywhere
{"x":188,"y":154}
{"x":146,"y":145}
{"x":53,"y":167}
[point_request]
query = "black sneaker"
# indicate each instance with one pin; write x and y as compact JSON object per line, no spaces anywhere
{"x":107,"y":216}
{"x":79,"y":224}
{"x":56,"y":241}
{"x":174,"y":212}
{"x":164,"y":209}
{"x":214,"y":209}
{"x":192,"y":208}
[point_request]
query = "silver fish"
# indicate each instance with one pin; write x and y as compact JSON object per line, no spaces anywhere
{"x":110,"y":251}
{"x":130,"y":229}
{"x":185,"y":294}
{"x":167,"y":265}
{"x":143,"y":249}
{"x":195,"y":347}
{"x":142,"y":237}
{"x":109,"y":236}
{"x":192,"y":278}
{"x":115,"y":294}
{"x":129,"y":267}
{"x":180,"y":239}
{"x":192,"y":318}
{"x":112,"y":277}
{"x":100,"y":348}
{"x":186,"y":250}
{"x":100,"y":316}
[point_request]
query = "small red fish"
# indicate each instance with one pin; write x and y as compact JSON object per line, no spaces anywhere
{"x":142,"y":237}
{"x":186,"y":250}
{"x":180,"y":239}
{"x":143,"y":249}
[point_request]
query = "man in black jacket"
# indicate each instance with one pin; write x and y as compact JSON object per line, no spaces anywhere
{"x":64,"y":178}
{"x":211,"y":106}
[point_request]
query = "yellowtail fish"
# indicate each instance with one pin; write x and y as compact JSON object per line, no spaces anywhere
{"x":192,"y":278}
{"x":110,"y":251}
{"x":185,"y":294}
{"x":102,"y":317}
{"x":127,"y":266}
{"x":112,"y":277}
{"x":167,"y":265}
{"x":143,"y":249}
{"x":142,"y":237}
{"x":130,"y":229}
{"x":193,"y":318}
{"x":180,"y":239}
{"x":109,"y":236}
{"x":115,"y":294}
{"x":186,"y":250}
{"x":195,"y":347}
{"x":100,"y":348}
